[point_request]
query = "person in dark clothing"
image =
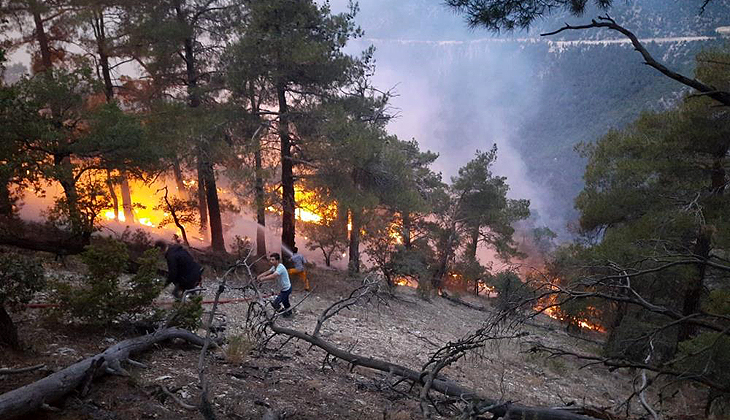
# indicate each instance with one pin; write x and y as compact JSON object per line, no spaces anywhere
{"x":182,"y":270}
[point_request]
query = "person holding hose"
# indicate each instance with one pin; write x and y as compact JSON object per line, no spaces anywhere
{"x":279,"y":273}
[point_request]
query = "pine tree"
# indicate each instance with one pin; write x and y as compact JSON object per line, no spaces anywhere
{"x":299,"y":49}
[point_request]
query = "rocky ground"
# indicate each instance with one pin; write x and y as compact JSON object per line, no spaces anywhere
{"x":293,"y":379}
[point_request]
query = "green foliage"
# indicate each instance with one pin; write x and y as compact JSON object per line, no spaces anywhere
{"x":544,"y":239}
{"x":508,"y":15}
{"x":328,"y":235}
{"x":144,"y":286}
{"x":101,"y":298}
{"x":20,"y":278}
{"x":655,"y":195}
{"x":484,"y":210}
{"x":187,"y":315}
{"x":718,"y":302}
{"x":706,"y":355}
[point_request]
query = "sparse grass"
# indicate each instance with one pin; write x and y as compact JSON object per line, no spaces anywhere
{"x":238,"y":348}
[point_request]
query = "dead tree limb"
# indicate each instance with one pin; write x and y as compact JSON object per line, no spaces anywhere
{"x":362,"y":294}
{"x":177,"y":400}
{"x":458,"y":301}
{"x":498,"y":409}
{"x":606,"y":22}
{"x":33,"y":397}
{"x":15,"y":371}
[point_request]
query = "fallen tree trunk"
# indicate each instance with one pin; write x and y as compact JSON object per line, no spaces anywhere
{"x":39,"y":394}
{"x":507,"y":410}
{"x":461,"y":302}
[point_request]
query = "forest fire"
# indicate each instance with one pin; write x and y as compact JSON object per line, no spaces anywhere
{"x":405,"y":281}
{"x":557,"y":313}
{"x":143,"y":207}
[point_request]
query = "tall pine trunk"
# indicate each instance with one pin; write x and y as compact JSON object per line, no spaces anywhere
{"x":202,"y":200}
{"x":703,"y":246}
{"x":182,"y":191}
{"x":406,"y":218}
{"x":446,"y":251}
{"x":41,"y":36}
{"x":214,"y":210}
{"x":260,"y":202}
{"x":97,"y":24}
{"x":208,"y":203}
{"x":473,"y":243}
{"x":356,"y":225}
{"x":287,"y":173}
{"x":112,"y":194}
{"x":127,"y":205}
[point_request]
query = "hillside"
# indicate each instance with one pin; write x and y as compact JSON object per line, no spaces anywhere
{"x":294,"y":378}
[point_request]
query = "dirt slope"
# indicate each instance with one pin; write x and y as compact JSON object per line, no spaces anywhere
{"x":294,"y":379}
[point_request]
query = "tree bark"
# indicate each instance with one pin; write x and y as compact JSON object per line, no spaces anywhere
{"x":288,"y":204}
{"x":202,"y":201}
{"x":473,"y":243}
{"x":260,"y":202}
{"x":112,"y":194}
{"x":356,"y":226}
{"x":126,"y":199}
{"x":182,"y":191}
{"x":445,"y":255}
{"x":692,"y":296}
{"x":214,"y":209}
{"x":191,"y":72}
{"x":100,"y":34}
{"x":65,"y":177}
{"x":41,"y":37}
{"x":32,"y":397}
{"x":703,"y":246}
{"x":406,"y":218}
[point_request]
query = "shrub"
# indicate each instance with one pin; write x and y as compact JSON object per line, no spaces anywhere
{"x":186,"y":314}
{"x":100,"y":298}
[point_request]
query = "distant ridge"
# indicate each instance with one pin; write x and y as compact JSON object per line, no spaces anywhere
{"x":534,"y":40}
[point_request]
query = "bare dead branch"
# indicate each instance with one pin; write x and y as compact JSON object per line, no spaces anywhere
{"x":177,"y":399}
{"x":607,"y":22}
{"x":362,"y":294}
{"x":617,"y":363}
{"x":10,"y":371}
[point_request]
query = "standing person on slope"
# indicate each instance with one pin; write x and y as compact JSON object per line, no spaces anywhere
{"x":299,"y":267}
{"x":279,"y":273}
